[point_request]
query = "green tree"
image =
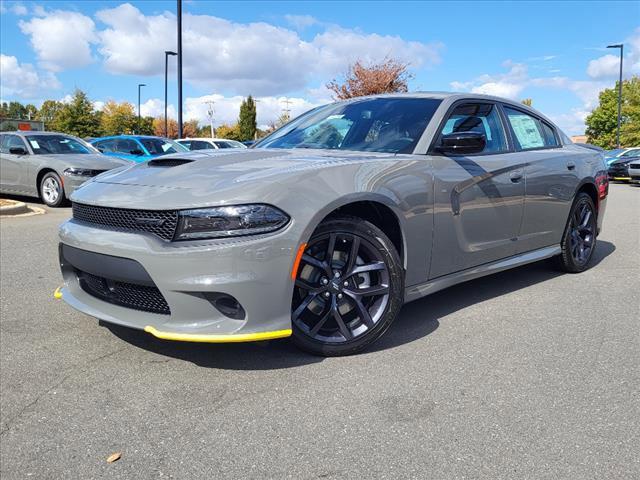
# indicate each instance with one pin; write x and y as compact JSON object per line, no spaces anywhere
{"x":118,"y":118}
{"x":247,"y":120}
{"x":48,"y":112}
{"x":78,"y":117}
{"x":16,"y":110}
{"x":30,"y":112}
{"x":146,"y":126}
{"x":602,"y":121}
{"x":230,"y":132}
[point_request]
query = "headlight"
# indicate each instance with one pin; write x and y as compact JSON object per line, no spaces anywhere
{"x":81,"y":172}
{"x":220,"y":222}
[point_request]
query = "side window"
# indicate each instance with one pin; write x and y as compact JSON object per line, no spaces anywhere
{"x":481,"y":118}
{"x":550,"y":139}
{"x":200,"y":145}
{"x":126,"y":145}
{"x":12,"y":141}
{"x":2,"y":144}
{"x":528,"y":130}
{"x":631,"y":153}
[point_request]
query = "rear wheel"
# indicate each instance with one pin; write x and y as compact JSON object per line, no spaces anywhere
{"x":348,"y":289}
{"x":51,"y":190}
{"x":579,"y":239}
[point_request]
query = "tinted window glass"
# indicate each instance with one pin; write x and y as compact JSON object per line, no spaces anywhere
{"x":128,"y":146}
{"x":11,"y":141}
{"x":107,"y":146}
{"x":480,"y":118}
{"x":58,"y":144}
{"x":159,"y":146}
{"x":631,"y":153}
{"x":200,"y":145}
{"x":527,"y":129}
{"x":550,"y":139}
{"x":222,"y":145}
{"x":378,"y":125}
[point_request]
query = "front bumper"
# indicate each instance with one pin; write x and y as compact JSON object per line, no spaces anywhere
{"x":256,"y":271}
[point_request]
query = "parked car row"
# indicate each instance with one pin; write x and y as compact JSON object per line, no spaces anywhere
{"x":52,"y":165}
{"x":624,"y":164}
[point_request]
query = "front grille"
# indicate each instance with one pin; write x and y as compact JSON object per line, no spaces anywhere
{"x":137,"y":297}
{"x":635,"y":166}
{"x":161,"y":223}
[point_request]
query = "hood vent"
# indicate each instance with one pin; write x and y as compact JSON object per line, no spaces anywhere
{"x":168,"y":162}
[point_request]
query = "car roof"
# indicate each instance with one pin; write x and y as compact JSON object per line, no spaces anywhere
{"x":128,"y":136}
{"x":209,"y":139}
{"x":26,"y":133}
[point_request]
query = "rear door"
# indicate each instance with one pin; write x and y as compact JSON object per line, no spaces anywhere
{"x":552,"y":176}
{"x":480,"y":197}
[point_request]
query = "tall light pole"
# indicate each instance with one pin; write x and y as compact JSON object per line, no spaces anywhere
{"x":210,"y":113}
{"x":140,"y":85}
{"x":621,"y":47}
{"x":166,"y":72}
{"x":179,"y":7}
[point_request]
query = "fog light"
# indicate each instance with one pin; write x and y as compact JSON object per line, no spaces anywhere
{"x":226,"y":305}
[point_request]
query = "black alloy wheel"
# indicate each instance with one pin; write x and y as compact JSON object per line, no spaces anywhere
{"x":579,"y":239}
{"x":348,"y":288}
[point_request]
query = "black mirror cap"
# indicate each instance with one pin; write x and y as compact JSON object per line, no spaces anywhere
{"x":136,"y":152}
{"x":462,"y":143}
{"x":18,"y":151}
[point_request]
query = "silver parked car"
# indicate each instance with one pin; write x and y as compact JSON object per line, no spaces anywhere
{"x":331,"y":223}
{"x":48,"y":165}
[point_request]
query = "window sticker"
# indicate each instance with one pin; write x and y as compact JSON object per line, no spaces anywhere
{"x":34,"y":144}
{"x":527,"y":131}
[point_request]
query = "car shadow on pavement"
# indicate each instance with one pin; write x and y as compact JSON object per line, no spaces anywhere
{"x":417,"y":320}
{"x":421,"y":317}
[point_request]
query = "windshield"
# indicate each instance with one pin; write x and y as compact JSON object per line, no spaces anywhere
{"x":229,"y":144}
{"x":58,"y":144}
{"x":162,"y":146}
{"x":370,"y":125}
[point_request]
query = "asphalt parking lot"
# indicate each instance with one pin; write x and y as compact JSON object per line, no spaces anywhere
{"x":526,"y":374}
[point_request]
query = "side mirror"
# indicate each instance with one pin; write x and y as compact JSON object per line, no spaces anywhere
{"x":136,"y":152}
{"x":18,"y":151}
{"x":462,"y":143}
{"x":100,"y":149}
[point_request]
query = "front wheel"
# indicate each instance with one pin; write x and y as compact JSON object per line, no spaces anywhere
{"x":348,"y":288}
{"x":51,"y":190}
{"x":579,"y":238}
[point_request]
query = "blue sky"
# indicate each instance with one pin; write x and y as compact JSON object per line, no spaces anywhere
{"x":551,"y":52}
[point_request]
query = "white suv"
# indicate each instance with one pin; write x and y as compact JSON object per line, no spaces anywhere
{"x":209,"y":143}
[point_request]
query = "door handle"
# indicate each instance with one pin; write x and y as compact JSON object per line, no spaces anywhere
{"x":516,"y":176}
{"x":571,"y":166}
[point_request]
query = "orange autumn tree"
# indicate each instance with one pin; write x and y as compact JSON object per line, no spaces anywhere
{"x":388,"y":76}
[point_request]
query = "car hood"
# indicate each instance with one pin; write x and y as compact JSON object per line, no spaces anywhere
{"x":90,"y":161}
{"x":193,"y":179}
{"x":218,"y":170}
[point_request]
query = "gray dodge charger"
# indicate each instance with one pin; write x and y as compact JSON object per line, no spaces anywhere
{"x":324,"y":229}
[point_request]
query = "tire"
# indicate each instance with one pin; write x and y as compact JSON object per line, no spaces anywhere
{"x":335,"y":314}
{"x":579,"y":237}
{"x":51,"y":190}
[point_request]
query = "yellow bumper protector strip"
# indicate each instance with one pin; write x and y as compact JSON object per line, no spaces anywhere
{"x":58,"y":293}
{"x":622,"y":178}
{"x":196,"y":337}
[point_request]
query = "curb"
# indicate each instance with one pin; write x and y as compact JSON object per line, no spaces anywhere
{"x":18,"y":208}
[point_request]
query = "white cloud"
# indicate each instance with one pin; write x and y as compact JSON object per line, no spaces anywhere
{"x":508,"y":85}
{"x":227,"y":109}
{"x":61,"y":39}
{"x":19,"y":9}
{"x":22,"y":79}
{"x":252,"y":58}
{"x":300,"y":22}
{"x":608,"y":66}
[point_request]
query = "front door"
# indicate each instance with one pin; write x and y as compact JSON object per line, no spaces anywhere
{"x":14,"y":168}
{"x":479,"y":199}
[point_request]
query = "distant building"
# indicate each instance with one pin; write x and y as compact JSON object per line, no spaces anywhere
{"x":579,"y":139}
{"x":13,"y":124}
